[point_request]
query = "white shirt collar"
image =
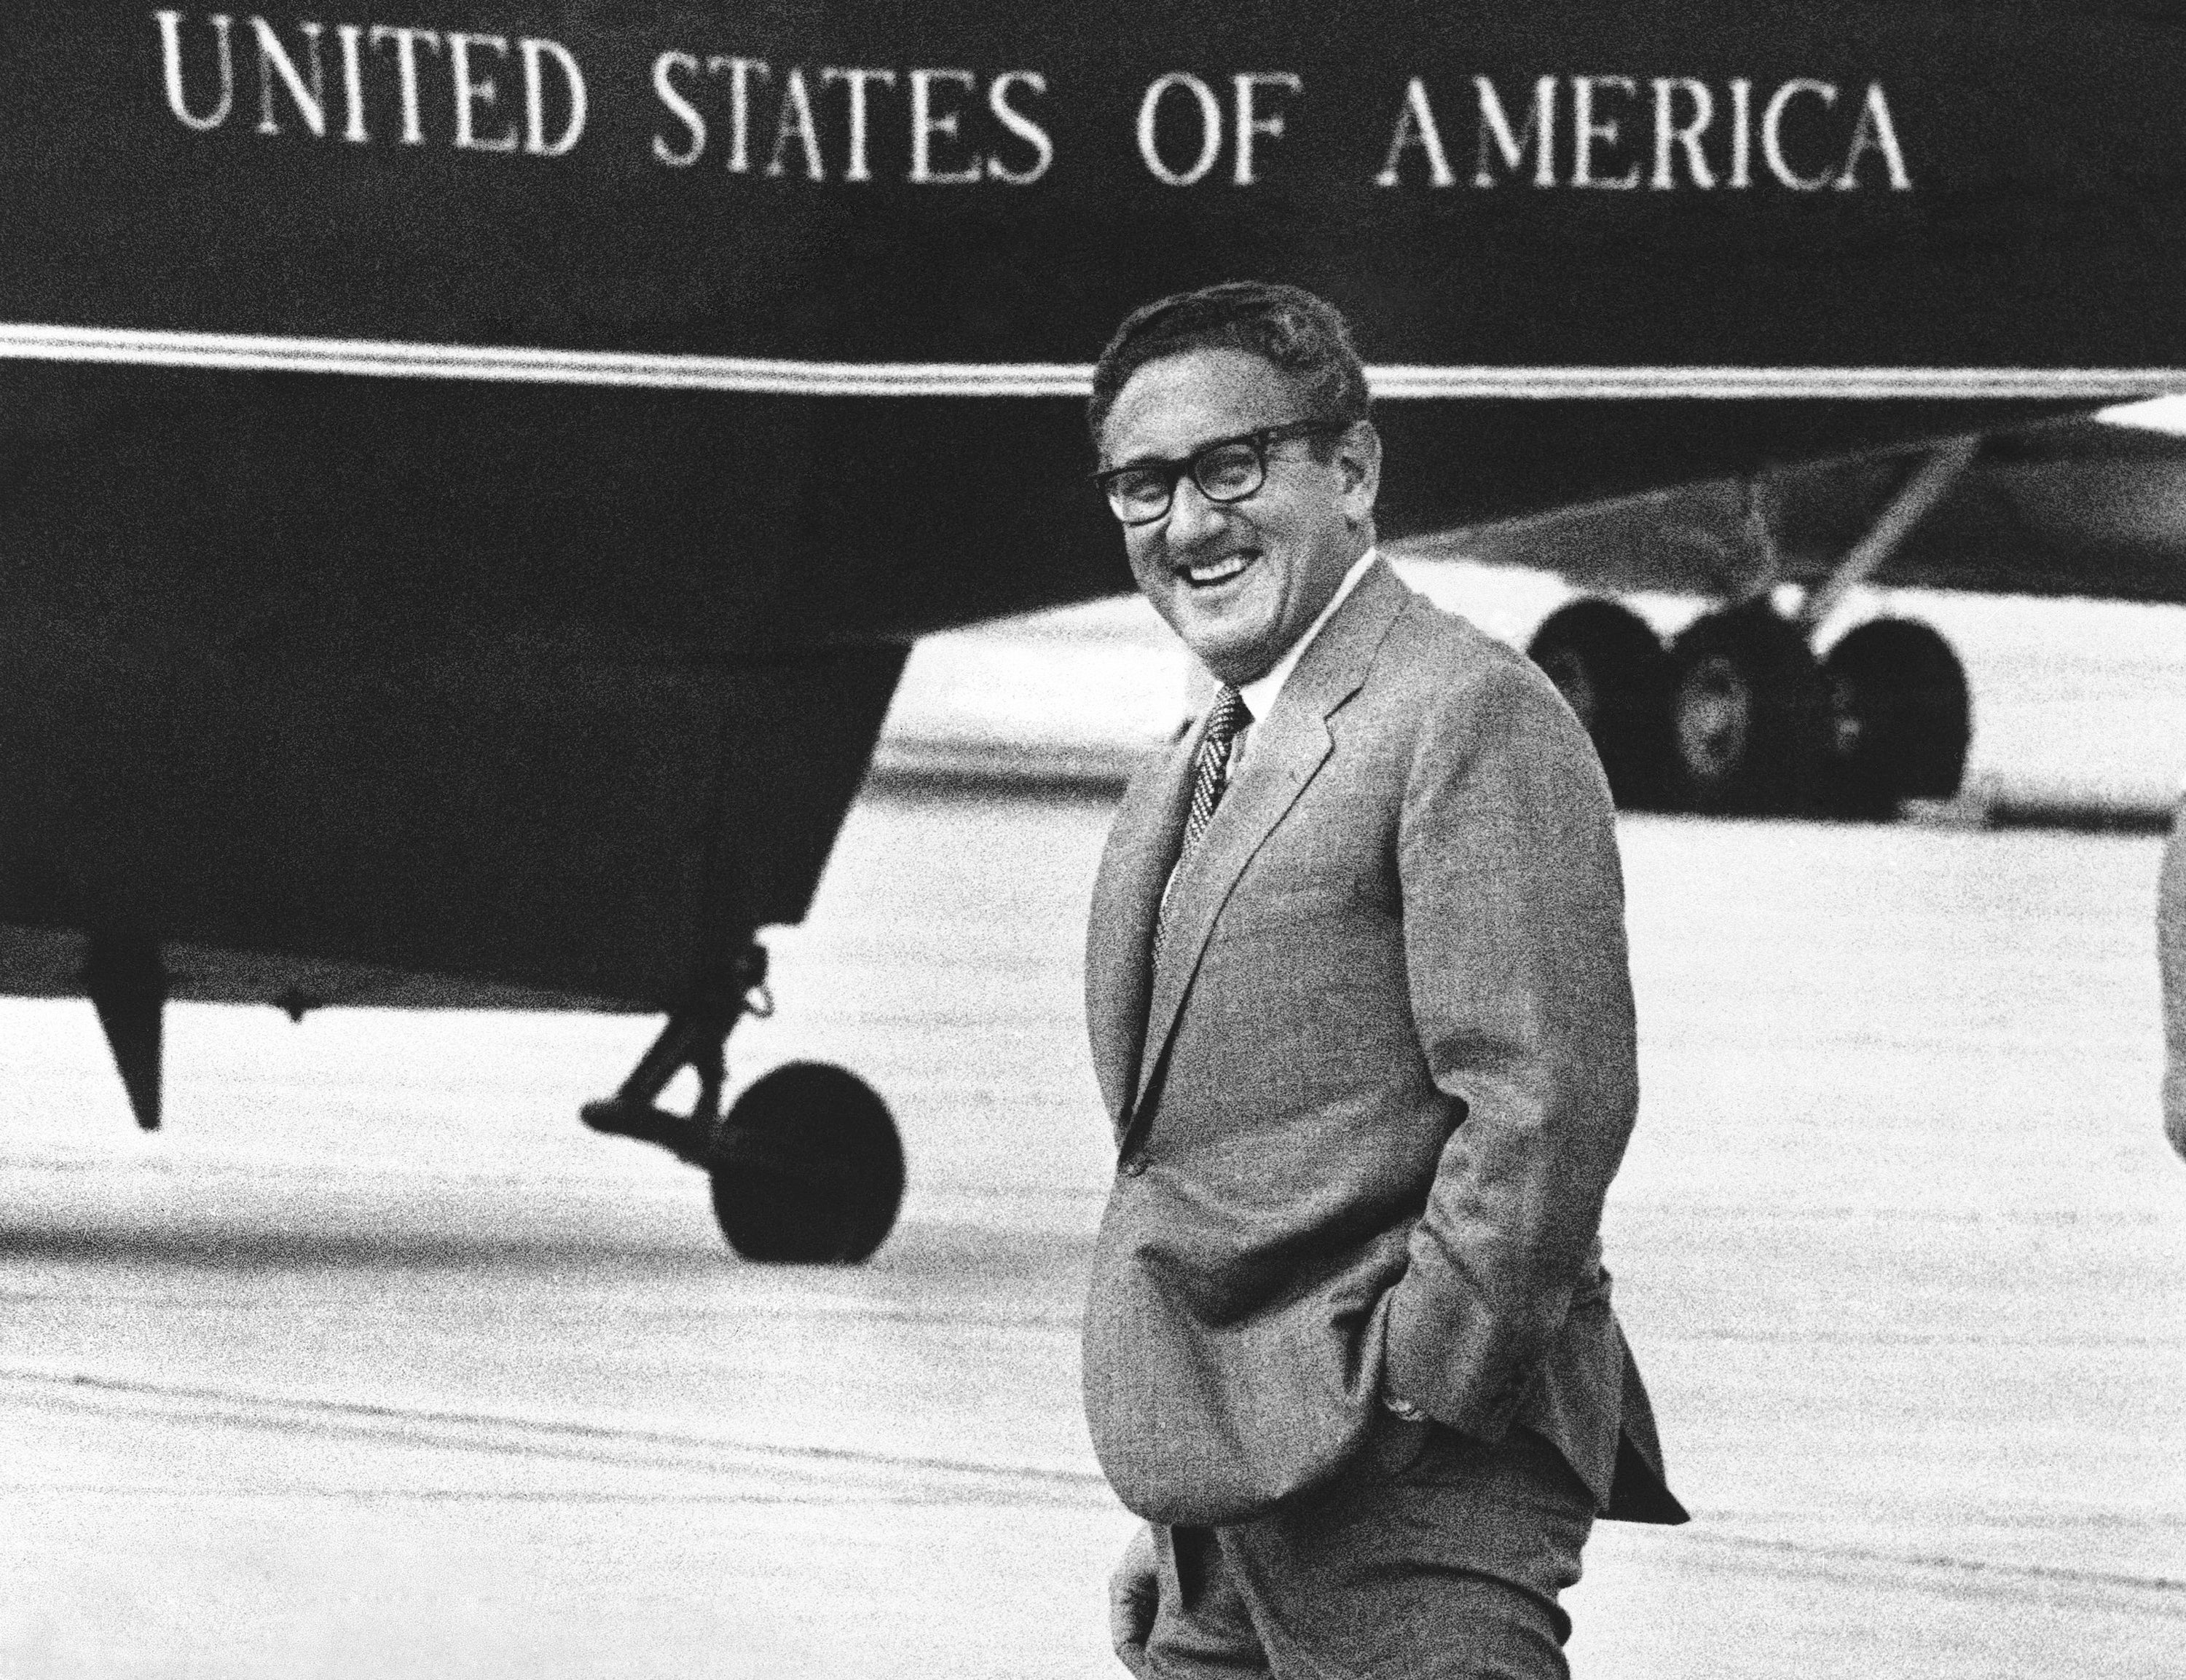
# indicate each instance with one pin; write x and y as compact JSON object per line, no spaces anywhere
{"x":1260,"y":693}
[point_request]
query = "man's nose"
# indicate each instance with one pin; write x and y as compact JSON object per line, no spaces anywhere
{"x":1191,"y":514}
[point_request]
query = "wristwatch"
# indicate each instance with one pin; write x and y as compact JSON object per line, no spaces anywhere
{"x":1403,"y":1408}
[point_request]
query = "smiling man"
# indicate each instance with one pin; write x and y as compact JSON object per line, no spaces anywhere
{"x":1358,"y":994}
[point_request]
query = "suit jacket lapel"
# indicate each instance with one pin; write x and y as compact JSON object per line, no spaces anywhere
{"x":1283,"y":755}
{"x":1142,"y":850}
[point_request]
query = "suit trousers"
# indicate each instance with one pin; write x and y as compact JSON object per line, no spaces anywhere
{"x":1432,"y":1556}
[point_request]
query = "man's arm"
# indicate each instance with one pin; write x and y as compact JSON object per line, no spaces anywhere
{"x":1134,"y":1596}
{"x":1515,"y":952}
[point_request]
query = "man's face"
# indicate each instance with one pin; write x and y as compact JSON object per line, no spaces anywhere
{"x":1239,"y":582}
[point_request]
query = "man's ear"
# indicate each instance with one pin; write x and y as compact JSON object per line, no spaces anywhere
{"x":1359,"y":462}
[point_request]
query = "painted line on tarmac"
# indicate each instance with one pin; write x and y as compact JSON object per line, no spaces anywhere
{"x":682,"y":1498}
{"x":2161,"y":1594}
{"x":451,"y":1428}
{"x":536,"y":1436}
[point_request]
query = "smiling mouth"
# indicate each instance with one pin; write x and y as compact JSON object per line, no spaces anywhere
{"x":1208,"y":573}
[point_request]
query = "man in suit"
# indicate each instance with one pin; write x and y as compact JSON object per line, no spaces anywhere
{"x":1359,"y":998}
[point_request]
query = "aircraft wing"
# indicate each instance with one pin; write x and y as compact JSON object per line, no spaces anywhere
{"x":2079,"y":507}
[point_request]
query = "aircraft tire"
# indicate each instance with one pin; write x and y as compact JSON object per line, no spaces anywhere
{"x":1613,"y":673}
{"x":807,"y":1168}
{"x":1901,"y":717}
{"x":1748,"y":716}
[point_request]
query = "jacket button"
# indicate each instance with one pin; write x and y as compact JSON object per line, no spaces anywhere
{"x":1134,"y":1165}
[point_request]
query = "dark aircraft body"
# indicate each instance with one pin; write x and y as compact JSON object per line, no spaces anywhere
{"x":471,"y":475}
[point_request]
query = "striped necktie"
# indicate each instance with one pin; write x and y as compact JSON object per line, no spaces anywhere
{"x":1210,"y":776}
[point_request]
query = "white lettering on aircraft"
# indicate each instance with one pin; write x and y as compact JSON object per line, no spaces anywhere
{"x":931,"y":126}
{"x":809,"y":129}
{"x":293,"y":92}
{"x":1622,"y":136}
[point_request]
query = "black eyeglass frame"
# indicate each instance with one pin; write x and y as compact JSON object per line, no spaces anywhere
{"x":1260,"y":442}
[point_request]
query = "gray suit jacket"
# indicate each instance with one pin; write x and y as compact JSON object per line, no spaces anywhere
{"x":1369,"y":1105}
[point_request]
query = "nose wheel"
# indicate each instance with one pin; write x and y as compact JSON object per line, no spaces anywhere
{"x":806,"y":1165}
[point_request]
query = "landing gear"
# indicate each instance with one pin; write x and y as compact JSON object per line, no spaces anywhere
{"x":1612,"y":672}
{"x":806,"y":1166}
{"x":1747,"y":712}
{"x":1746,"y":723}
{"x":1736,"y":718}
{"x":1900,"y":718}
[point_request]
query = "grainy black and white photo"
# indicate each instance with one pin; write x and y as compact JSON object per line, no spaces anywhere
{"x":861,"y":841}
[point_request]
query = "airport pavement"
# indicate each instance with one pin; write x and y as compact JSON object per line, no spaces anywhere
{"x":376,"y":1364}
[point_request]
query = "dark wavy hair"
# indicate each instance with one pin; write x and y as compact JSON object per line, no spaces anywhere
{"x":1301,"y":336}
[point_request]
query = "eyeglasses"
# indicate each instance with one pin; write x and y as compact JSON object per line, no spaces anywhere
{"x":1227,"y":470}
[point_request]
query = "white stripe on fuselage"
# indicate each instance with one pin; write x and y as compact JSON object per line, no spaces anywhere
{"x":385,"y":359}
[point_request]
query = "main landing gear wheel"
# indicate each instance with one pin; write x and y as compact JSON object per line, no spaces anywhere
{"x":807,"y":1168}
{"x":1900,"y":718}
{"x":1748,"y":714}
{"x":1613,"y":673}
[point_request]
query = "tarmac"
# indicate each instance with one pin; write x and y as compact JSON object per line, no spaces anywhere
{"x":375,"y":1363}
